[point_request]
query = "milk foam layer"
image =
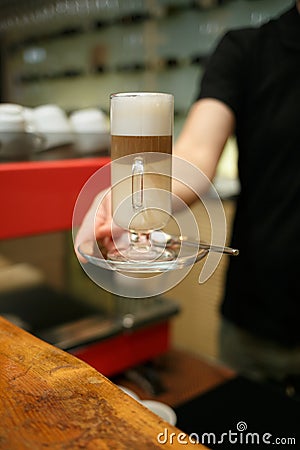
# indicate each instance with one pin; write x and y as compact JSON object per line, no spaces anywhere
{"x":142,"y":114}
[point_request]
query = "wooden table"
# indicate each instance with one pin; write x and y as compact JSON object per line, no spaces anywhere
{"x":50,"y":399}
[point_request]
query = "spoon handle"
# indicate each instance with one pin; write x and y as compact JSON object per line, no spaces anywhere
{"x":213,"y":248}
{"x":163,"y":238}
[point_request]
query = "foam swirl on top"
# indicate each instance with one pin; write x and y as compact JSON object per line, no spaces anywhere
{"x":142,"y":114}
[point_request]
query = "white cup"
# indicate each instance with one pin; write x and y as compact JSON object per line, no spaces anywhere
{"x":12,"y":124}
{"x":91,"y":128}
{"x":129,"y":392}
{"x":17,"y":140}
{"x":10,"y":109}
{"x":53,"y":122}
{"x":12,"y":118}
{"x":162,"y":410}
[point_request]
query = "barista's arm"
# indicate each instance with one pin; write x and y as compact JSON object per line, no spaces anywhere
{"x":208,"y":126}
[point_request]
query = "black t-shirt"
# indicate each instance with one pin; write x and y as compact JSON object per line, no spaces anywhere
{"x":256,"y":72}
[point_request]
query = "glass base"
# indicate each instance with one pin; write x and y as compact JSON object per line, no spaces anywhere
{"x":140,"y":249}
{"x":135,"y":253}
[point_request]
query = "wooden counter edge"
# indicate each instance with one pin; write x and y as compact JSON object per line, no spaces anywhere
{"x":51,"y":399}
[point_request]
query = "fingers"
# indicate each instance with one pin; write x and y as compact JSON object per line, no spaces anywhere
{"x":96,"y":223}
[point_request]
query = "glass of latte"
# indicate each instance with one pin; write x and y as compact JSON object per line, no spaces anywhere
{"x":141,"y":170}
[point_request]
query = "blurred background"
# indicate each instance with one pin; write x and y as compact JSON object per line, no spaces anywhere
{"x":74,"y":54}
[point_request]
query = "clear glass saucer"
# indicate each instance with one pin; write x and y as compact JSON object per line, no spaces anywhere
{"x":184,"y":256}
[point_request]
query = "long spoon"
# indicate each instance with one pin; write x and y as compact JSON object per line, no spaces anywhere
{"x":162,"y":238}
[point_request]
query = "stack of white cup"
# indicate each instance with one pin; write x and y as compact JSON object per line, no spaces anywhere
{"x":24,"y":129}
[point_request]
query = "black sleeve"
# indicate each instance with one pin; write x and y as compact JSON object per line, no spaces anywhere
{"x":225,"y":76}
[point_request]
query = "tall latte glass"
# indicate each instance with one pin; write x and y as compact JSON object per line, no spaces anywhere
{"x":141,"y":167}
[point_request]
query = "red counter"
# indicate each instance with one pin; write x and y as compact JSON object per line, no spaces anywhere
{"x":39,"y":197}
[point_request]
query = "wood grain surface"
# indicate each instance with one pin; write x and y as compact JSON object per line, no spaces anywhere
{"x":52,"y":400}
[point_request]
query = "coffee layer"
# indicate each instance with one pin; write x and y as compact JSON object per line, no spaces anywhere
{"x":127,"y":145}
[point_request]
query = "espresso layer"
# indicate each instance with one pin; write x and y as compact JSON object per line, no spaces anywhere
{"x":127,"y":145}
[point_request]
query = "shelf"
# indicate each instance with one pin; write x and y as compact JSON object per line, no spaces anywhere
{"x":157,"y":65}
{"x":118,"y":17}
{"x":39,"y":197}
